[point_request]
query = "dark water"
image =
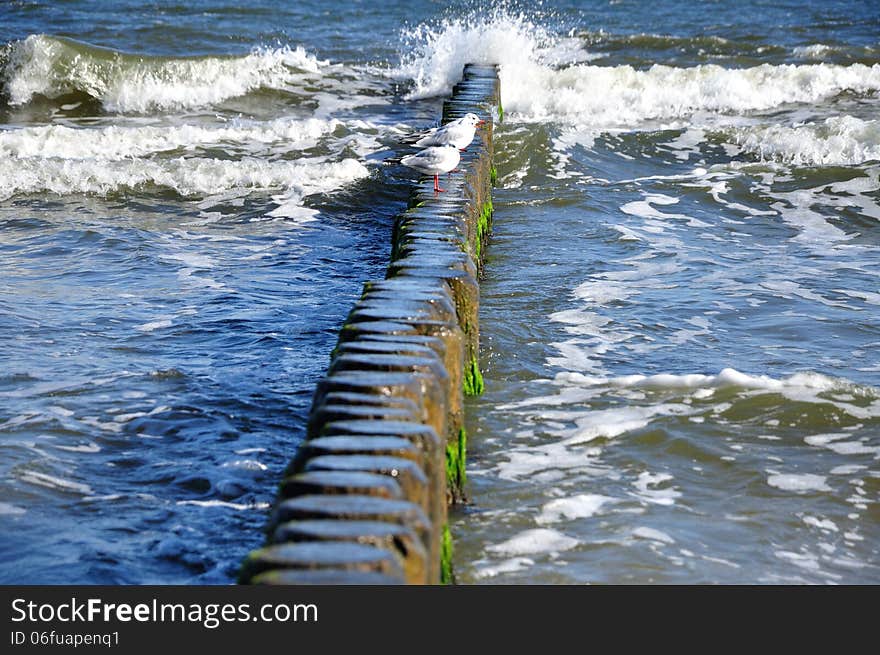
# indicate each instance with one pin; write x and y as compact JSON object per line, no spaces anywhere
{"x":173,"y":272}
{"x":680,"y":314}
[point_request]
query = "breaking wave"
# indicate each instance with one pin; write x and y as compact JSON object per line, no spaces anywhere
{"x":727,"y":378}
{"x":118,"y":142}
{"x":53,"y":67}
{"x":836,"y":141}
{"x":546,"y":77}
{"x":621,"y":96}
{"x":189,"y":177}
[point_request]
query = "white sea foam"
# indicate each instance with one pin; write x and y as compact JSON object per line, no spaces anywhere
{"x":55,"y":483}
{"x":511,"y":565}
{"x":838,"y":141}
{"x":531,"y":542}
{"x":804,"y":560}
{"x":569,"y":452}
{"x":847,"y":469}
{"x":645,"y":209}
{"x":247,"y":465}
{"x":727,"y":378}
{"x":90,"y":447}
{"x":8,"y":509}
{"x":575,"y":507}
{"x":117,"y":142}
{"x":154,"y":325}
{"x":649,"y":490}
{"x":190,"y":177}
{"x":53,"y":67}
{"x":225,"y":504}
{"x":835,"y":443}
{"x":824,"y":439}
{"x":857,"y":400}
{"x":549,"y":459}
{"x":798,"y":482}
{"x":822,"y":524}
{"x":868,"y":296}
{"x":653,"y":534}
{"x":612,"y":422}
{"x":814,"y":51}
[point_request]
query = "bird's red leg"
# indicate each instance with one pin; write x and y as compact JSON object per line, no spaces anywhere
{"x":437,"y":183}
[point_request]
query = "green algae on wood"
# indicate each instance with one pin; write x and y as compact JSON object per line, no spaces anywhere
{"x":446,"y":573}
{"x":473,"y":379}
{"x":484,"y":226}
{"x":456,"y":463}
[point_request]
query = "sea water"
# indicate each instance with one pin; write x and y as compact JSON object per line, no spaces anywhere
{"x":680,"y":312}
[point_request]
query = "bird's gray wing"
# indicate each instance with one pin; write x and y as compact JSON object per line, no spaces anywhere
{"x":437,"y":136}
{"x":416,"y":137}
{"x":429,"y":158}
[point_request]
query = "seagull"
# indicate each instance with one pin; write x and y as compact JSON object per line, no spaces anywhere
{"x":433,"y":161}
{"x":458,"y":133}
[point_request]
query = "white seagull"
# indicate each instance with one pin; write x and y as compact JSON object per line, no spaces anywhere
{"x":433,"y":161}
{"x":458,"y":133}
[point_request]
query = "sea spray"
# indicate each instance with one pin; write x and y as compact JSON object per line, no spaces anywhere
{"x":435,"y":53}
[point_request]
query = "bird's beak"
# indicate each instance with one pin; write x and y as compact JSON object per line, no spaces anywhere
{"x":480,"y":123}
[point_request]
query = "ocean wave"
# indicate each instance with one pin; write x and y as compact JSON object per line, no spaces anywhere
{"x":701,"y":44}
{"x":856,"y":400}
{"x":43,"y":65}
{"x":727,"y":378}
{"x":189,"y":177}
{"x":701,"y":47}
{"x":822,"y":51}
{"x":621,"y":96}
{"x":814,"y":51}
{"x":809,"y":386}
{"x":546,"y":77}
{"x":120,"y":142}
{"x":836,"y":141}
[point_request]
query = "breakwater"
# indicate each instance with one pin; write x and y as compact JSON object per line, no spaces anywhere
{"x":365,"y":498}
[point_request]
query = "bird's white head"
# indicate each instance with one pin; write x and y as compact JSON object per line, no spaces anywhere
{"x":472,"y":119}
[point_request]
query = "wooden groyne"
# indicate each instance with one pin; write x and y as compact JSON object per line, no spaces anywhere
{"x":365,"y":498}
